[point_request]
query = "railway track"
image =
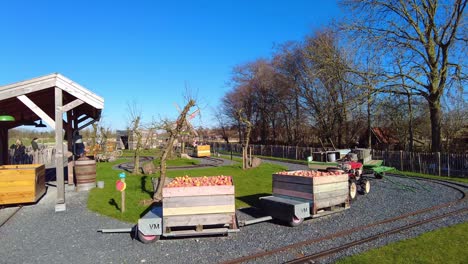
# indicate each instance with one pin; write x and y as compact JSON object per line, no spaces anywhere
{"x":293,"y":248}
{"x":4,"y":221}
{"x":209,"y":162}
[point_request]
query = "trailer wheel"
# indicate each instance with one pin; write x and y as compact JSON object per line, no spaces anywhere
{"x":296,"y":221}
{"x":147,"y":239}
{"x":365,"y":187}
{"x":379,"y":175}
{"x":352,"y":189}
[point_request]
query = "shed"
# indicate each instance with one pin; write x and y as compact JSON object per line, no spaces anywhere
{"x":63,"y":104}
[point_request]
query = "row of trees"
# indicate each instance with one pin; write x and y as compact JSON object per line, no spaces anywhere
{"x":399,"y":64}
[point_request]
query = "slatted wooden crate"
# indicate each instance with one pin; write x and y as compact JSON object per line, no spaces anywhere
{"x":21,"y":183}
{"x":202,"y":151}
{"x":321,"y":191}
{"x":198,"y":206}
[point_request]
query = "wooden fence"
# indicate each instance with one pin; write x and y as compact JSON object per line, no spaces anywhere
{"x":442,"y":164}
{"x":44,"y":155}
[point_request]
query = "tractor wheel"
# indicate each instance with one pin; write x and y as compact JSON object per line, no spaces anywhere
{"x":295,"y":221}
{"x":147,"y":239}
{"x":364,"y":187}
{"x":352,"y":189}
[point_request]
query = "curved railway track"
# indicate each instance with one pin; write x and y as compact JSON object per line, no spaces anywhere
{"x":209,"y":162}
{"x":10,"y":216}
{"x":292,"y":248}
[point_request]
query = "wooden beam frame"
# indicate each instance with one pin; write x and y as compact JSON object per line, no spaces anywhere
{"x":37,"y":110}
{"x":60,"y":205}
{"x":72,"y":105}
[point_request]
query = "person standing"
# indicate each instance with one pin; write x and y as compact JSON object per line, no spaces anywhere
{"x":34,"y":144}
{"x":35,"y":148}
{"x":19,"y":153}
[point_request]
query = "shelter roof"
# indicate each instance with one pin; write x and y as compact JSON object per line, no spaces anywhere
{"x":24,"y":99}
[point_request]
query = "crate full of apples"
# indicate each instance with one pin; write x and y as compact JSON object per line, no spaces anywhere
{"x":311,"y":173}
{"x":194,"y":201}
{"x":323,"y":189}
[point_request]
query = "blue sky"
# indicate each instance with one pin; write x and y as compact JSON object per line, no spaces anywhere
{"x":148,"y":51}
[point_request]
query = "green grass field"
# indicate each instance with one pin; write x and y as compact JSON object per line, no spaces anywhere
{"x":446,"y":245}
{"x":249,"y":186}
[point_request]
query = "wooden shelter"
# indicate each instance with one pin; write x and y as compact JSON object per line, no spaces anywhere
{"x":64,"y":105}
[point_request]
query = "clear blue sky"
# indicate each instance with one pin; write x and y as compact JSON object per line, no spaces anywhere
{"x":147,"y":51}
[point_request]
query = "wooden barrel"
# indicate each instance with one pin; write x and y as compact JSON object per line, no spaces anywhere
{"x":85,"y":173}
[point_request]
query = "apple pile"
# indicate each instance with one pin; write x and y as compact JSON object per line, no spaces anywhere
{"x":187,"y":181}
{"x":311,"y":173}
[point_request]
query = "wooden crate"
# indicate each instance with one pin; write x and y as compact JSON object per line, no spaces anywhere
{"x":198,"y":206}
{"x":321,"y":192}
{"x":21,"y":183}
{"x":202,"y":151}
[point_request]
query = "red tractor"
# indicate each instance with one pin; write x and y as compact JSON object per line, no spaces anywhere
{"x":358,"y":183}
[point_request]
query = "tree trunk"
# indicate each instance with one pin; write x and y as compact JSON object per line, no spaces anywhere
{"x":436,"y":114}
{"x":410,"y":124}
{"x":369,"y":121}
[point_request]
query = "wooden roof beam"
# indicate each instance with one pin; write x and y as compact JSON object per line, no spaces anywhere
{"x":37,"y":110}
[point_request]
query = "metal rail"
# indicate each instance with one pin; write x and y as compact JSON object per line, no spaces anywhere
{"x":335,"y":250}
{"x":10,"y":216}
{"x":361,"y":228}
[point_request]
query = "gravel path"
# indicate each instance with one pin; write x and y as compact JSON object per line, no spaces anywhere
{"x":36,"y":234}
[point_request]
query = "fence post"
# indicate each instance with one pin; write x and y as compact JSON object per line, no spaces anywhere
{"x":420,"y":167}
{"x":283,"y":151}
{"x":296,"y":153}
{"x":438,"y":157}
{"x":448,"y":165}
{"x":401,"y":160}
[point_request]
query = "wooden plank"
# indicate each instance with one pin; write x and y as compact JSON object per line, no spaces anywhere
{"x":292,"y":179}
{"x":330,"y":201}
{"x":205,"y":232}
{"x":292,"y":186}
{"x":326,"y":195}
{"x":303,"y":195}
{"x":37,"y":110}
{"x":213,"y":209}
{"x":193,"y":220}
{"x":331,"y":187}
{"x":198,"y":191}
{"x":194,"y":201}
{"x":17,"y":198}
{"x":330,"y":179}
{"x":72,"y":105}
{"x":310,"y":180}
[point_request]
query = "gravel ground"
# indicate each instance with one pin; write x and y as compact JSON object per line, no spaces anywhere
{"x":36,"y":234}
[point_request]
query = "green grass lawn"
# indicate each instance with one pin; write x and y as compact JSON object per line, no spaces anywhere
{"x":249,"y":186}
{"x":446,"y":245}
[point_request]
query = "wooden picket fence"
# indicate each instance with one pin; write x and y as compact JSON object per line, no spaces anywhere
{"x":44,"y":155}
{"x":442,"y":164}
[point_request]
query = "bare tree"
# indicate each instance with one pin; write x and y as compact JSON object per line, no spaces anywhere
{"x":246,"y":159}
{"x":174,"y":131}
{"x":135,"y":133}
{"x":428,"y":36}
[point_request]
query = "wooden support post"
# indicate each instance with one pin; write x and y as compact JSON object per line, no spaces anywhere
{"x":401,"y":160}
{"x":122,"y":197}
{"x":448,"y":165}
{"x":438,"y":161}
{"x":419,"y":158}
{"x":4,"y":146}
{"x":60,"y":204}
{"x":71,"y":165}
